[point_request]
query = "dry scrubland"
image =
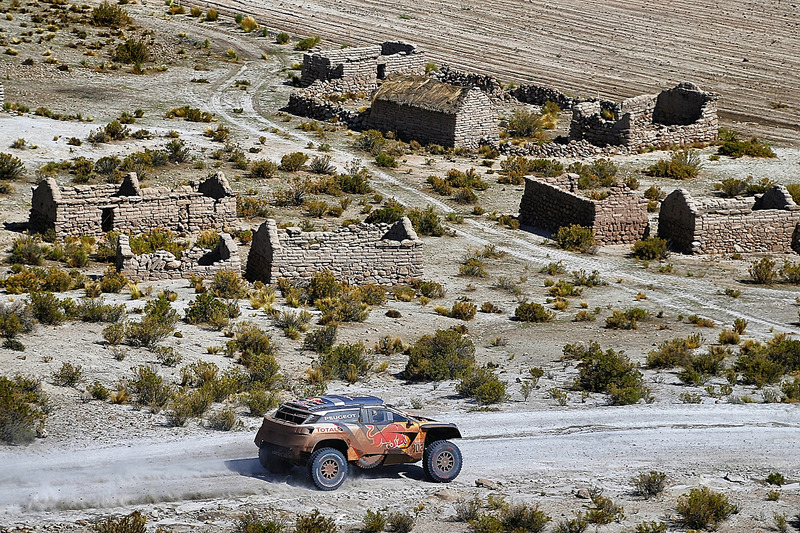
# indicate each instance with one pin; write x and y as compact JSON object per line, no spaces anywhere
{"x":627,"y":386}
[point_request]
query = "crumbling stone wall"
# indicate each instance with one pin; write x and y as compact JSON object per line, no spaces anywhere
{"x":359,"y":254}
{"x":320,"y":101}
{"x":129,"y":208}
{"x":681,"y":115}
{"x":486,"y":83}
{"x":764,"y":224}
{"x":551,"y":203}
{"x":358,"y":69}
{"x":163,"y":265}
{"x":531,"y":93}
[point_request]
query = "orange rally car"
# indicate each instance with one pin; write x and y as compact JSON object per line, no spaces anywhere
{"x":326,"y":433}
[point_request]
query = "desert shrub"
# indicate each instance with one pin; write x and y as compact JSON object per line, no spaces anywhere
{"x":23,"y":409}
{"x":206,"y":309}
{"x":256,"y":522}
{"x":600,"y":173}
{"x":132,"y":52}
{"x":699,"y":367}
{"x":763,"y":271}
{"x":148,"y":387}
{"x":345,"y":361}
{"x":307,"y":43}
{"x":112,"y":281}
{"x":575,"y":238}
{"x":729,"y":336}
{"x":314,"y":522}
{"x":248,"y":24}
{"x":609,"y":372}
{"x":323,"y":284}
{"x":649,"y":485}
{"x":355,"y":180}
{"x":15,"y":318}
{"x":347,"y":308}
{"x":263,"y":169}
{"x":650,"y":248}
{"x":250,"y":340}
{"x":282,"y":38}
{"x":445,"y":354}
{"x":371,"y":141}
{"x":753,"y":148}
{"x":157,"y":239}
{"x":603,"y":510}
{"x":68,"y":375}
{"x":523,"y":518}
{"x":185,"y":404}
{"x":628,"y":319}
{"x":390,"y":213}
{"x":228,"y":284}
{"x":293,"y":322}
{"x":212,"y":15}
{"x":98,"y":391}
{"x":461,"y":310}
{"x":94,"y":310}
{"x":400,"y":522}
{"x":132,"y":523}
{"x":26,"y":250}
{"x":107,"y":14}
{"x":374,"y":522}
{"x":177,"y":152}
{"x":385,"y":160}
{"x":731,"y":187}
{"x":46,"y":308}
{"x":651,"y":527}
{"x":431,"y":289}
{"x":775,"y":478}
{"x":293,"y":162}
{"x":322,"y":165}
{"x":682,"y":165}
{"x":369,"y":294}
{"x":758,"y":369}
{"x":533,"y":312}
{"x":482,"y":385}
{"x":426,"y":222}
{"x":572,"y":525}
{"x":258,"y":401}
{"x":563,"y":289}
{"x":525,"y":123}
{"x":472,"y":267}
{"x":224,"y":420}
{"x":321,"y":340}
{"x":670,"y":354}
{"x":156,"y":325}
{"x":702,"y":508}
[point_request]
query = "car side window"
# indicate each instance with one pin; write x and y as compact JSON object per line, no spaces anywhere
{"x":397,"y":417}
{"x":380,"y":416}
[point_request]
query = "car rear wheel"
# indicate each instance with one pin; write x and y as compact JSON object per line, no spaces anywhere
{"x":273,"y":463}
{"x":327,"y":468}
{"x":442,"y":461}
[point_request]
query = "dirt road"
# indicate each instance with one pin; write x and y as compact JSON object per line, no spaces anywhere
{"x":530,"y":451}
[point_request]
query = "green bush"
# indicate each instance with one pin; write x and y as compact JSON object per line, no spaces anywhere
{"x":533,"y":312}
{"x":15,"y":318}
{"x":649,"y":485}
{"x":68,"y":375}
{"x":628,"y":319}
{"x":307,"y":43}
{"x":763,"y":271}
{"x":575,"y":238}
{"x":703,"y":508}
{"x":670,"y":354}
{"x":461,"y":310}
{"x":371,"y":141}
{"x":107,"y":14}
{"x":482,"y":385}
{"x":753,"y":148}
{"x":282,"y":38}
{"x":758,"y":369}
{"x":731,"y":187}
{"x":98,"y":391}
{"x":112,"y":281}
{"x":385,"y":160}
{"x":682,"y":165}
{"x":390,"y":213}
{"x":156,"y":325}
{"x":258,"y":401}
{"x":27,"y":250}
{"x":157,"y":239}
{"x":400,"y":522}
{"x":651,"y":527}
{"x":224,"y":419}
{"x":446,"y":354}
{"x":609,"y":372}
{"x":374,"y":522}
{"x":228,"y":284}
{"x":46,"y":308}
{"x":426,"y":222}
{"x":206,"y":309}
{"x":263,"y":169}
{"x":94,"y":310}
{"x":23,"y":409}
{"x":314,"y":523}
{"x":525,"y":123}
{"x":132,"y":523}
{"x":775,"y":478}
{"x":256,"y":522}
{"x":600,"y":173}
{"x":650,"y":248}
{"x":132,"y":52}
{"x":321,"y":340}
{"x":148,"y":387}
{"x":293,"y":162}
{"x":212,"y":15}
{"x":345,"y":361}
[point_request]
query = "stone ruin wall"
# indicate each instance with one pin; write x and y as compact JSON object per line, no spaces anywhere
{"x":486,"y":83}
{"x":476,"y":122}
{"x":767,"y":224}
{"x":162,"y":265}
{"x":551,"y":203}
{"x":128,"y":208}
{"x":319,"y":101}
{"x":413,"y":123}
{"x":681,"y":115}
{"x":358,"y":254}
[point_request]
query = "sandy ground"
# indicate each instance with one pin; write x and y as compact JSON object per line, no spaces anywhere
{"x":102,"y":459}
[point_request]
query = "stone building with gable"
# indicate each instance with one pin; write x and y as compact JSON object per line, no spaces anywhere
{"x":429,"y":111}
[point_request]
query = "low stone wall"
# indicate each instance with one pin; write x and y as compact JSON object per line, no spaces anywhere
{"x":551,"y":203}
{"x":539,"y":94}
{"x":163,"y":265}
{"x":319,"y":101}
{"x":129,"y":208}
{"x":487,"y":84}
{"x":571,"y":149}
{"x":766,"y":224}
{"x":355,"y":68}
{"x":681,"y":115}
{"x":358,"y":254}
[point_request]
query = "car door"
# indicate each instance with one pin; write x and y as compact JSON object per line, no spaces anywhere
{"x":393,"y":433}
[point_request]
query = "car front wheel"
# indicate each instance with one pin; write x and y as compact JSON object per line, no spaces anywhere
{"x":442,"y":461}
{"x":327,"y":468}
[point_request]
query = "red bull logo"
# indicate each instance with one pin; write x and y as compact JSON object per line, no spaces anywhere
{"x":389,"y":437}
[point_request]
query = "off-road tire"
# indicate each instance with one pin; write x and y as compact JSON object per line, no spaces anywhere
{"x":273,"y":463}
{"x":327,"y":468}
{"x":442,"y":461}
{"x":369,"y":463}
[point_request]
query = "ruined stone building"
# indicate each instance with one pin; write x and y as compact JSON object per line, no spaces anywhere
{"x":130,"y":208}
{"x":764,"y":224}
{"x":358,"y":254}
{"x":551,"y":203}
{"x":428,"y":111}
{"x":163,"y":265}
{"x":359,"y":69}
{"x":681,"y":115}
